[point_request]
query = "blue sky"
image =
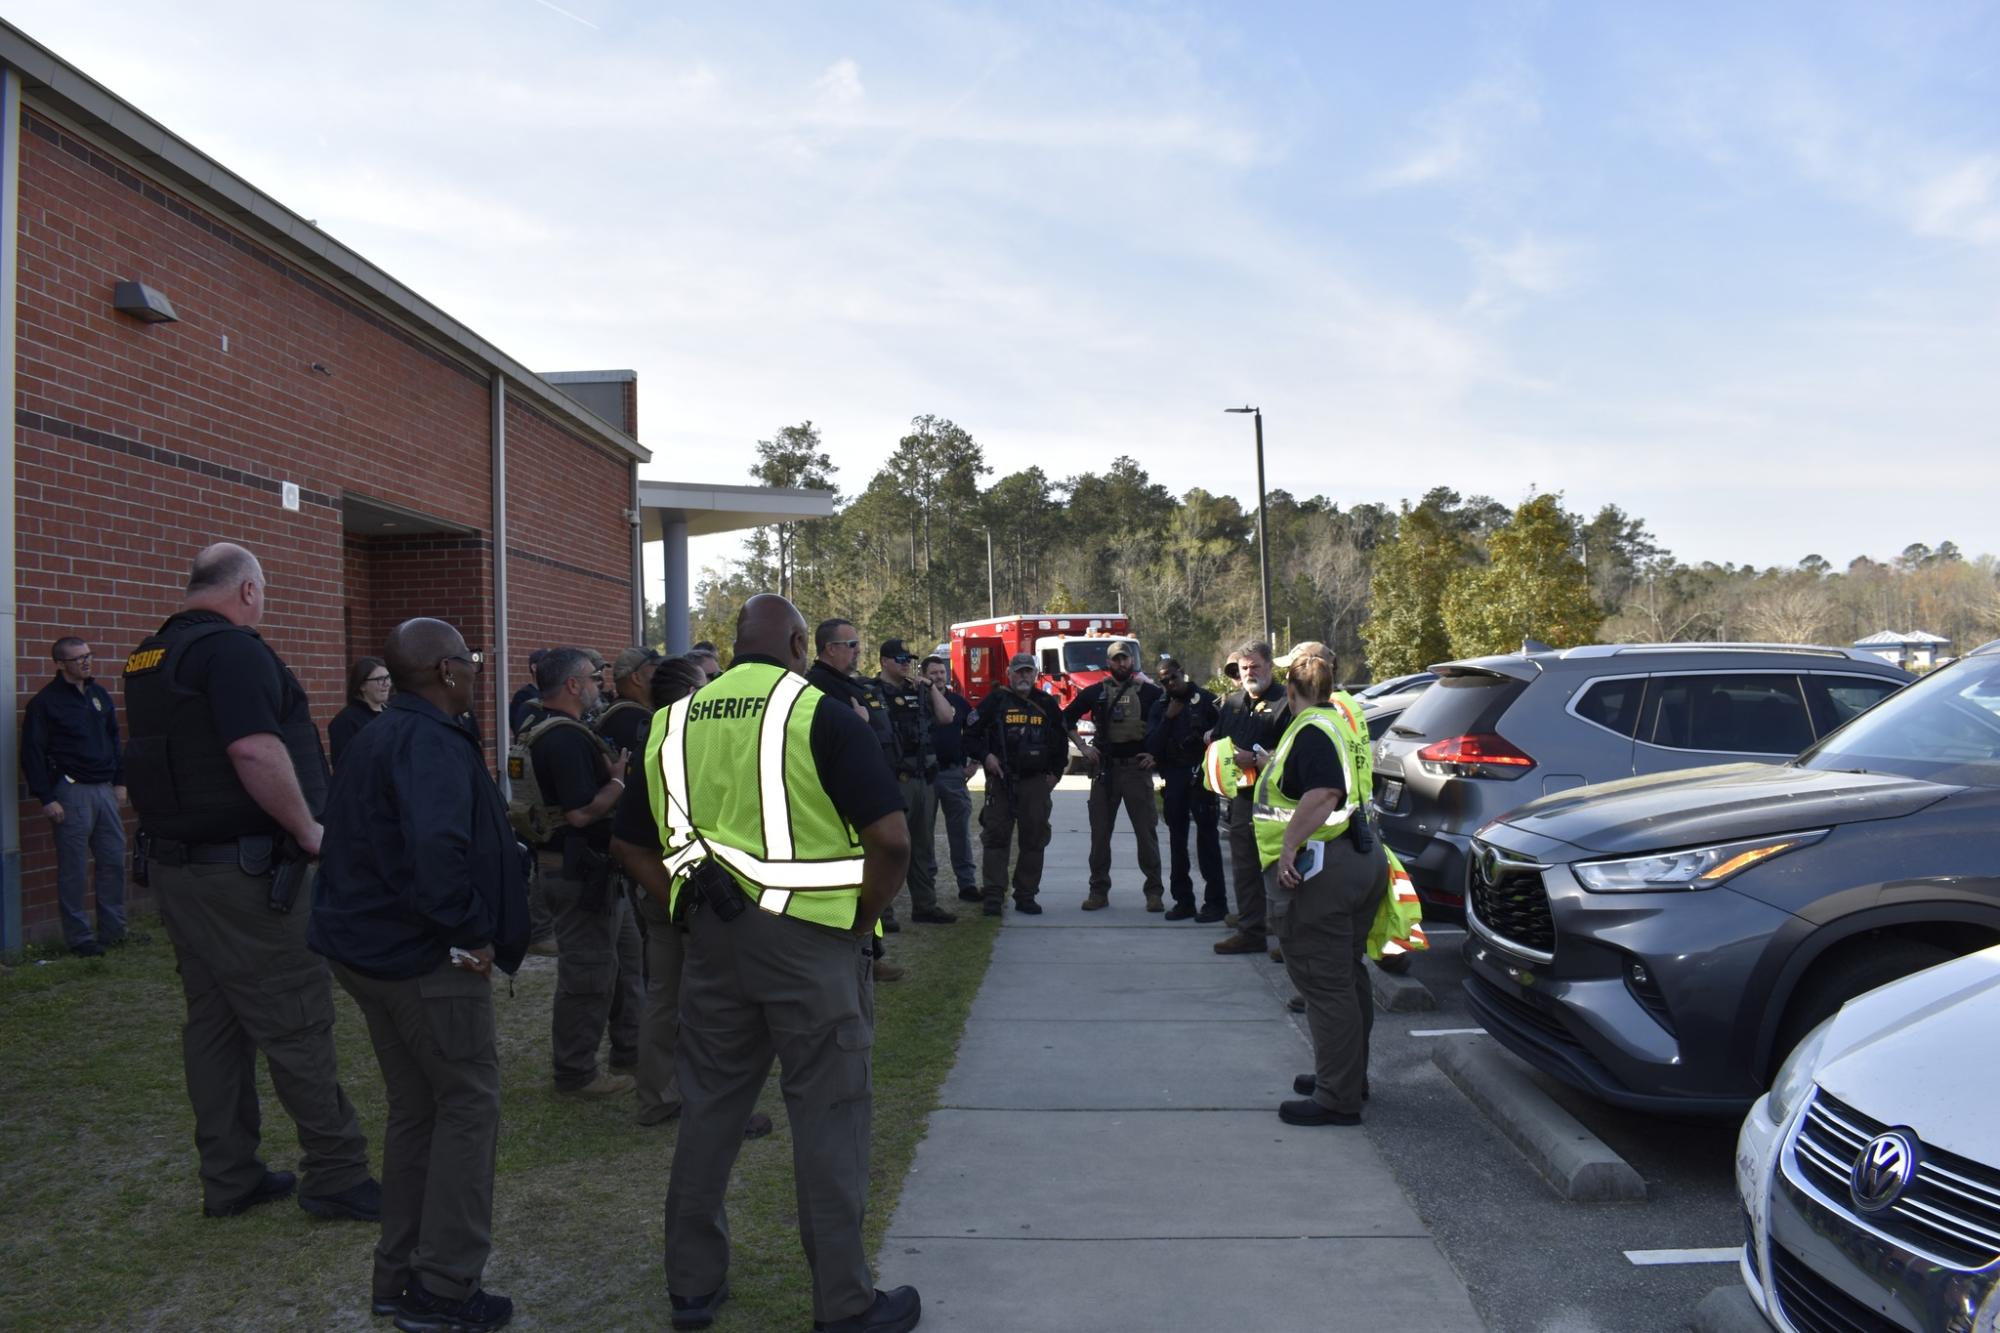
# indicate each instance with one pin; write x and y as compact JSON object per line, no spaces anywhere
{"x":1737,"y":273}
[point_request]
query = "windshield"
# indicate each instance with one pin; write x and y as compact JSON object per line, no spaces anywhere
{"x":1095,"y":654}
{"x":1944,"y":728}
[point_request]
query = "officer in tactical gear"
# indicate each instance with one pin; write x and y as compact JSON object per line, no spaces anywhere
{"x":225,"y":769}
{"x":913,"y":708}
{"x":1123,"y":774}
{"x":1175,"y":732}
{"x":837,"y":644}
{"x":1016,"y":736}
{"x":565,"y":784}
{"x":624,"y":720}
{"x":779,"y":872}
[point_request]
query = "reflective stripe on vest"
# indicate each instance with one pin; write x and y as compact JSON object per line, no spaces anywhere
{"x":819,"y":882}
{"x":1272,"y":809}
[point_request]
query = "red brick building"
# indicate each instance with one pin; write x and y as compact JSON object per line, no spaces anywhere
{"x":380,"y":458}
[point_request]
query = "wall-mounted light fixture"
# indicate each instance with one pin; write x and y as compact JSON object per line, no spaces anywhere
{"x":143,"y":303}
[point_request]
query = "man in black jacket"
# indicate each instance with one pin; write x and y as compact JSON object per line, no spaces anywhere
{"x":422,"y":890}
{"x":1254,"y":719}
{"x":69,"y":754}
{"x":1123,"y":774}
{"x":1176,"y":729}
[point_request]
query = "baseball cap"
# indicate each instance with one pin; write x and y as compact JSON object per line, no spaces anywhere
{"x":893,"y":648}
{"x":1121,"y":650}
{"x":1021,"y":660}
{"x":631,"y":660}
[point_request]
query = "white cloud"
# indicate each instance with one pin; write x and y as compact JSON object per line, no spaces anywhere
{"x":1459,"y":139}
{"x":840,"y":85}
{"x":1529,"y":266}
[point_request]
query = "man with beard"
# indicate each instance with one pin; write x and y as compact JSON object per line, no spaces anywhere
{"x":1252,"y":719}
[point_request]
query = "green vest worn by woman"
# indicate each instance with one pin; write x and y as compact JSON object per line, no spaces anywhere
{"x":1271,"y":810}
{"x":757,"y":804}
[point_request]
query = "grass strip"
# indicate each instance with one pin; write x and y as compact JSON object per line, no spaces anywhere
{"x":100,"y":1207}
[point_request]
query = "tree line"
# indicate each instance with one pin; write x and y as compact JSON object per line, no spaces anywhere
{"x":1391,"y":589}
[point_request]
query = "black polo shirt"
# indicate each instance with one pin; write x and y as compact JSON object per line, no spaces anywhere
{"x":846,"y":756}
{"x":69,"y":733}
{"x":948,"y":738}
{"x":417,"y":856}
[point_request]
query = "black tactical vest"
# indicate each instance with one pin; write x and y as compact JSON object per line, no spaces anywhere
{"x":1030,"y":744}
{"x":910,"y":718}
{"x":177,"y":768}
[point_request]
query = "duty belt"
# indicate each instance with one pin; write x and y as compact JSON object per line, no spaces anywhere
{"x":168,"y":852}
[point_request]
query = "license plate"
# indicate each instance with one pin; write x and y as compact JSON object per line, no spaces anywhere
{"x":1389,"y":795}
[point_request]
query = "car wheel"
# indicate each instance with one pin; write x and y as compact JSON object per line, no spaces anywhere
{"x":1833,"y":982}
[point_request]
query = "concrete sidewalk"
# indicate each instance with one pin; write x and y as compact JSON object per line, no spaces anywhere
{"x":1108,"y":1155}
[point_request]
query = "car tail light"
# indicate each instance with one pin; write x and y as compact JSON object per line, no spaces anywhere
{"x":1480,"y":755}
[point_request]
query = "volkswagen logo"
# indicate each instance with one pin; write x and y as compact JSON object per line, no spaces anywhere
{"x":1883,"y":1171}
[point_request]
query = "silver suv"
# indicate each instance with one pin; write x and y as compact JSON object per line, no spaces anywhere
{"x":1497,"y":732}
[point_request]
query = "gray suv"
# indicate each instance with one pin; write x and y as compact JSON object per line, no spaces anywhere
{"x":1497,"y":732}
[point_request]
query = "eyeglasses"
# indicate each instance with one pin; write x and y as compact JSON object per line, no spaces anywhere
{"x":382,"y":679}
{"x":80,"y":657}
{"x":473,"y":660}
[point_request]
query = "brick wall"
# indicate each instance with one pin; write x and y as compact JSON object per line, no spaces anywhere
{"x":139,"y":444}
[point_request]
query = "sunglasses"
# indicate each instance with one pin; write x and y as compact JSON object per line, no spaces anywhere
{"x":843,"y":643}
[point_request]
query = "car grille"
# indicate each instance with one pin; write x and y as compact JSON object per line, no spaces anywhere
{"x":1813,"y":1305}
{"x":1516,"y":907}
{"x":1951,"y":1209}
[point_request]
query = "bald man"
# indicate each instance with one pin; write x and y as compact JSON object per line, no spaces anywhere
{"x":422,"y":893}
{"x":226,"y":771}
{"x":777,"y":958}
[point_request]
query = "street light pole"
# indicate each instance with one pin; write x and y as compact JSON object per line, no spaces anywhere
{"x":1263,"y":519}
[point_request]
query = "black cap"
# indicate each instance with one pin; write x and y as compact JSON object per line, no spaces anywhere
{"x":893,"y":648}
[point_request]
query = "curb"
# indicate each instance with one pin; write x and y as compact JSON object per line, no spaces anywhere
{"x":1727,"y":1310}
{"x":1575,"y":1162}
{"x":1400,"y":994}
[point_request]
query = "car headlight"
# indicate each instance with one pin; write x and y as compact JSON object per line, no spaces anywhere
{"x":1695,"y":868}
{"x":1795,"y":1076}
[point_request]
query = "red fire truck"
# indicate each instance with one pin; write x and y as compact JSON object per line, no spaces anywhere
{"x":1073,"y":649}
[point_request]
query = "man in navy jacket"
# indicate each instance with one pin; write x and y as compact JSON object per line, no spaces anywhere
{"x":422,"y":890}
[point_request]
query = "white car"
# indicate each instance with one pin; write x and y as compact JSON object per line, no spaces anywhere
{"x":1870,"y":1173}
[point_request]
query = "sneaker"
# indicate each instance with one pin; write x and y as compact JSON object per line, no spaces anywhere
{"x":1155,"y":903}
{"x":888,"y":971}
{"x":358,"y":1203}
{"x":1027,"y":907}
{"x":423,"y":1312}
{"x":1178,"y":912}
{"x":1309,"y":1112}
{"x":935,"y":916}
{"x":1239,"y":944}
{"x":274,"y":1185}
{"x":1208,"y":916}
{"x":893,"y":1312}
{"x":1096,"y":902}
{"x":698,"y":1311}
{"x":606,"y":1084}
{"x":543,"y":946}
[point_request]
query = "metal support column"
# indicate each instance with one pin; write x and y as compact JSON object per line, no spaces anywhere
{"x":10,"y":741}
{"x":501,"y":662}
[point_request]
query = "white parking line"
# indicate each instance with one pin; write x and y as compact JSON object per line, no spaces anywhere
{"x":1646,"y":1258}
{"x":1448,"y":1032}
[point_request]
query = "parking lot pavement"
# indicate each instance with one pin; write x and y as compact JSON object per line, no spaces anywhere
{"x":1536,"y":1263}
{"x":1107,"y":1153}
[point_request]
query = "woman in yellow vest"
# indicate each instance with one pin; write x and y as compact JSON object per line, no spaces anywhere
{"x":1323,"y":882}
